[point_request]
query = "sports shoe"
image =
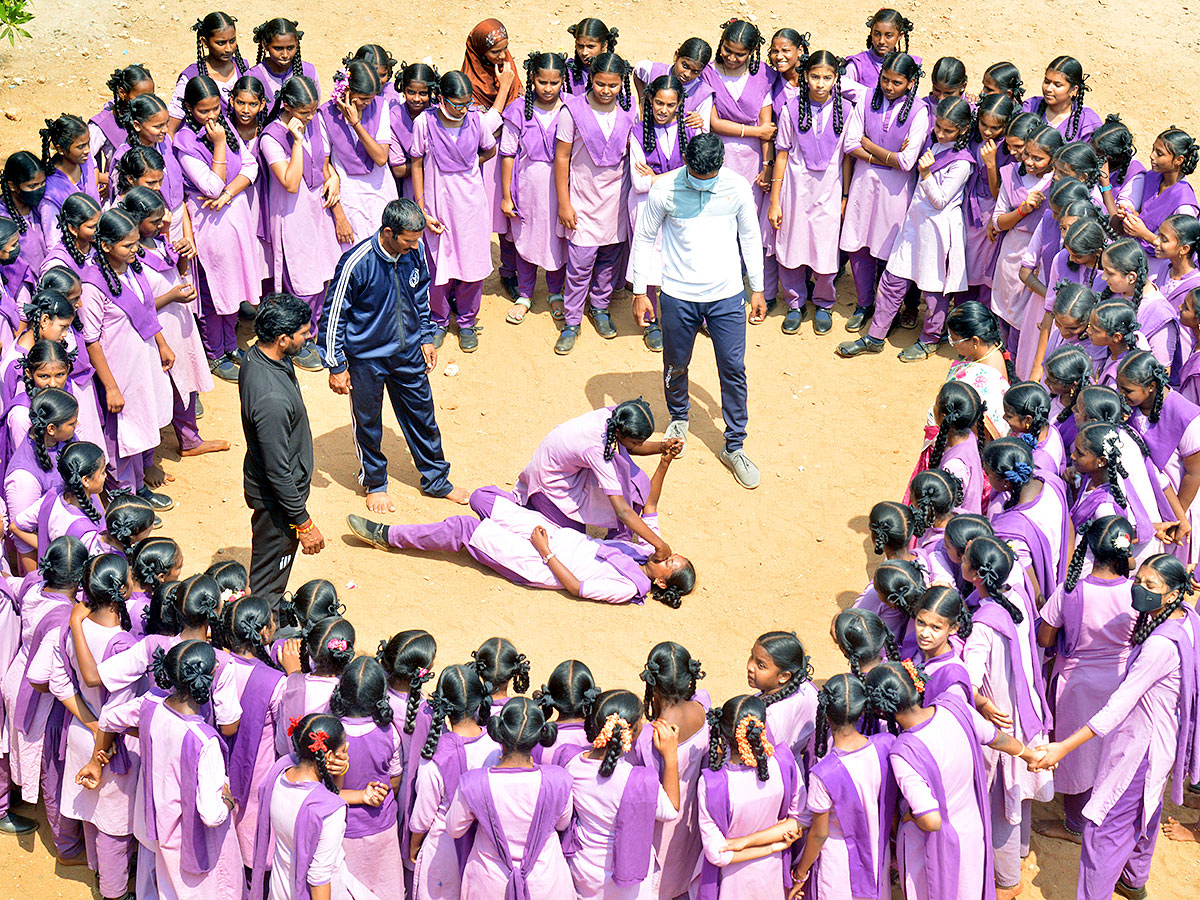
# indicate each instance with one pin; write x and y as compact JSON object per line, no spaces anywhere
{"x":917,"y":352}
{"x":744,"y":471}
{"x":1130,"y":892}
{"x":652,"y":337}
{"x":199,"y":409}
{"x":865,"y":344}
{"x":224,"y":369}
{"x":603,"y":322}
{"x":374,"y":533}
{"x":156,"y":500}
{"x":566,"y":340}
{"x":822,"y":322}
{"x":468,"y":340}
{"x":247,"y":310}
{"x":11,"y":823}
{"x":677,"y":428}
{"x":858,"y":319}
{"x":792,"y":321}
{"x":439,"y":335}
{"x":309,"y":359}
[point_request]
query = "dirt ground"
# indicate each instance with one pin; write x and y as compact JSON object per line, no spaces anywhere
{"x":831,"y":437}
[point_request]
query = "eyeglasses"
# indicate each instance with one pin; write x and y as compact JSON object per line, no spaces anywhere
{"x":451,"y":103}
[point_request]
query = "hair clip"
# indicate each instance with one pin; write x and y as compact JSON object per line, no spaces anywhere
{"x":911,"y":668}
{"x":340,"y":645}
{"x":317,"y":742}
{"x":292,"y":723}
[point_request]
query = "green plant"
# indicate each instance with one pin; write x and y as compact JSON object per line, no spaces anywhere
{"x":14,"y":14}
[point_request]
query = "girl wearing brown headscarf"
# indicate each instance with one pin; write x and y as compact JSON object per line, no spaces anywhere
{"x":487,"y":50}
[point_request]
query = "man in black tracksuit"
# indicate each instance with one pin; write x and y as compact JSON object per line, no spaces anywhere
{"x":376,"y":335}
{"x":277,"y":472}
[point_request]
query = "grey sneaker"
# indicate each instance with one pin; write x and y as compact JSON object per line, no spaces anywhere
{"x":678,"y":428}
{"x":744,"y":471}
{"x":373,"y":533}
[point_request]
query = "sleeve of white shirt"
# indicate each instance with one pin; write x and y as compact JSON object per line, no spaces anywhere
{"x":328,"y":853}
{"x":227,"y":703}
{"x":210,"y":781}
{"x":942,"y":190}
{"x":919,"y":116}
{"x":649,"y":222}
{"x":749,"y":236}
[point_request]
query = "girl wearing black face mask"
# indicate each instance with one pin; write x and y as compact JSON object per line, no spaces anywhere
{"x":1149,"y":731}
{"x":22,"y":190}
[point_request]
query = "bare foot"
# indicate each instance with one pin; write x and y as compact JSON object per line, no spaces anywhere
{"x":205,"y":447}
{"x":1054,"y":828}
{"x":156,"y":477}
{"x":459,"y":495}
{"x":1003,"y":893}
{"x":1177,"y":831}
{"x":380,"y":503}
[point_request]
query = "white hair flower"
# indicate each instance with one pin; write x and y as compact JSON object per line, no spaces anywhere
{"x":1122,"y":542}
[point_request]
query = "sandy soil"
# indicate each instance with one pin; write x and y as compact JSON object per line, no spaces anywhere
{"x":831,"y":437}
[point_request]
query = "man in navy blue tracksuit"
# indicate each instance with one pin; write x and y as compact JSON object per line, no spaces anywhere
{"x":376,"y":334}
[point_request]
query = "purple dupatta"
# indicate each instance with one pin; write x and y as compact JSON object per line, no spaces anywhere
{"x":344,"y":143}
{"x":256,"y":706}
{"x":1187,"y":745}
{"x":138,"y":306}
{"x":1158,"y":207}
{"x":604,"y":151}
{"x":314,"y":168}
{"x":1162,"y":437}
{"x":997,"y":618}
{"x":745,"y":109}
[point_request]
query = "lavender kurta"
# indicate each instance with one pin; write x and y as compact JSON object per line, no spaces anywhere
{"x":365,"y":187}
{"x":190,"y":373}
{"x":595,"y":189}
{"x":793,"y":721}
{"x":400,"y":152}
{"x":246,"y":816}
{"x":1009,"y":294}
{"x":531,"y":144}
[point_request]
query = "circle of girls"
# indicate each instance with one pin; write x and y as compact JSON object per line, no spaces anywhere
{"x":1029,"y":628}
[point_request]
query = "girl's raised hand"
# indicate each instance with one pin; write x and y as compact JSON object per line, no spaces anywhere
{"x":375,"y":793}
{"x":666,"y":737}
{"x":289,"y":656}
{"x":349,"y":111}
{"x":1035,"y":199}
{"x":925,"y":163}
{"x":296,"y":127}
{"x":693,"y":120}
{"x":505,"y":75}
{"x":214,"y":132}
{"x":988,"y":154}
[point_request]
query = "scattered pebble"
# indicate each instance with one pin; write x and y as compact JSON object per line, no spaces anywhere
{"x":451,"y":371}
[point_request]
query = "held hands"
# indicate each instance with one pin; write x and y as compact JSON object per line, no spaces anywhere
{"x":925,"y":163}
{"x":762,"y":132}
{"x":799,"y":877}
{"x":184,"y":247}
{"x":1165,"y":531}
{"x":1181,"y":531}
{"x":375,"y":793}
{"x":331,"y":190}
{"x":992,"y":234}
{"x":671,"y":448}
{"x":1047,"y":756}
{"x":218,"y":203}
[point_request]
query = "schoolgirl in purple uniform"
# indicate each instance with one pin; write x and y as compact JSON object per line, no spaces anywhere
{"x":958,"y":445}
{"x":447,"y":148}
{"x":21,"y":190}
{"x":947,"y":78}
{"x":1061,"y":103}
{"x":1174,"y":268}
{"x":417,"y":87}
{"x":742,"y":116}
{"x":71,"y":511}
{"x":1027,"y":412}
{"x":691,"y":59}
{"x":527,"y":192}
{"x":570,"y":695}
{"x":786,"y":55}
{"x":895,"y":586}
{"x":863,"y":639}
{"x":16,"y":286}
{"x":372,"y":843}
{"x":780,"y":670}
{"x":1114,"y":328}
{"x":617,"y":804}
{"x":32,"y":470}
{"x":1126,"y":272}
{"x":76,"y":222}
{"x":944,"y":845}
{"x":105,"y":129}
{"x":325,"y":652}
{"x":883,"y":183}
{"x":1165,"y":192}
{"x":358,"y":123}
{"x":887,"y":32}
{"x":852,"y":798}
{"x":279,"y":57}
{"x":217,"y":57}
{"x":812,"y":172}
{"x":749,"y":792}
{"x":591,"y":38}
{"x":1076,"y":264}
{"x":1122,"y":177}
{"x":943,"y":624}
{"x":67,"y":159}
{"x":590,"y":168}
{"x":991,"y":151}
{"x":1148,"y":732}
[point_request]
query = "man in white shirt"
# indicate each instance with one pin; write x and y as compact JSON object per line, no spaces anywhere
{"x":705,"y":213}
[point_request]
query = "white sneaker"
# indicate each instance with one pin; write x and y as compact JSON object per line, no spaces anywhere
{"x":744,"y":471}
{"x":678,"y":428}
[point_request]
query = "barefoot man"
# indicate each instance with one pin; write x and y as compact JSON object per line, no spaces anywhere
{"x":376,"y":334}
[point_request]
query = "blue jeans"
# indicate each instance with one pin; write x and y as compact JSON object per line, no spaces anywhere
{"x":726,"y":321}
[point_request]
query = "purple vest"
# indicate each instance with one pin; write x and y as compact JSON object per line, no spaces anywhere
{"x":633,"y":827}
{"x":1162,"y":437}
{"x":106,"y":121}
{"x":979,"y":199}
{"x":189,"y":143}
{"x":30,"y":702}
{"x":883,"y":126}
{"x":172,"y":185}
{"x":819,"y":144}
{"x":1157,"y":208}
{"x":80,"y":525}
{"x":138,"y":306}
{"x":553,"y":797}
{"x":745,"y":109}
{"x":533,"y":143}
{"x":1014,"y":523}
{"x":256,"y":706}
{"x":344,"y":143}
{"x":314,"y":168}
{"x":942,"y":850}
{"x":946,"y":677}
{"x":59,"y":187}
{"x":997,"y":618}
{"x":694,"y":93}
{"x":456,"y":149}
{"x":604,"y":151}
{"x":370,"y":755}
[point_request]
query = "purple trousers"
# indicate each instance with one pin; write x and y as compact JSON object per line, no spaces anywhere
{"x":864,"y":269}
{"x":592,"y":274}
{"x":888,"y":301}
{"x":66,"y":832}
{"x":468,"y":296}
{"x":109,"y":857}
{"x":771,"y":276}
{"x":5,"y":785}
{"x":218,"y":333}
{"x":452,"y":535}
{"x":315,"y":303}
{"x":183,"y":419}
{"x":795,"y":290}
{"x":1117,"y":848}
{"x":508,"y":257}
{"x":527,"y":279}
{"x":1010,"y":843}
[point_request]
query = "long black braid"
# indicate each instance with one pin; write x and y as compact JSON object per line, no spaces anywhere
{"x":273,"y":28}
{"x":993,"y":561}
{"x":78,"y":460}
{"x":804,"y":110}
{"x":1073,"y":71}
{"x":666,"y":82}
{"x":1142,"y":368}
{"x":114,"y":226}
{"x":1071,"y":366}
{"x":961,"y":410}
{"x":50,"y":407}
{"x":1127,"y":255}
{"x":206,"y":28}
{"x":76,"y":210}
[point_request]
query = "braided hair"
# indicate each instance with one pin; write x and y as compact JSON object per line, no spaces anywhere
{"x":152,"y":560}
{"x":199,"y":88}
{"x":1140,"y":367}
{"x":1104,"y":441}
{"x":1074,"y":301}
{"x":1113,"y":142}
{"x":1029,"y":400}
{"x":498,"y":664}
{"x":613,"y":721}
{"x":50,"y":408}
{"x":423,"y":73}
{"x":230,"y":575}
{"x":1086,"y":237}
{"x":1010,"y":460}
{"x":743,"y":34}
{"x":297,"y":91}
{"x":726,"y":721}
{"x":946,"y":602}
{"x":195,"y":604}
{"x":787,"y":653}
{"x":124,"y":82}
{"x":905,"y":66}
{"x":58,"y":136}
{"x":1127,"y":257}
{"x":62,"y":280}
{"x":313,"y":601}
{"x":891,"y":690}
{"x":138,"y":111}
{"x":45,"y":353}
{"x":137,"y":162}
{"x":822,"y":58}
{"x":1000,"y":107}
{"x":1180,"y":143}
{"x":1071,"y":366}
{"x":589,"y":28}
{"x":934,"y":494}
{"x":570,"y":691}
{"x":1186,"y":229}
{"x":79,"y":461}
{"x":188,"y":668}
{"x":840,"y":703}
{"x":19,"y":168}
{"x":610,"y":63}
{"x":631,"y":420}
{"x":1082,"y":159}
{"x":274,"y":28}
{"x":242,"y":624}
{"x":957,"y":111}
{"x":127,"y":516}
{"x":958,"y":410}
{"x":106,"y":584}
{"x":521,"y":726}
{"x":666,"y":82}
{"x":460,"y":695}
{"x":1007,"y":78}
{"x":1109,"y":539}
{"x":964,"y":528}
{"x":992,"y":562}
{"x":62,"y":566}
{"x":208,"y":26}
{"x":670,"y":676}
{"x":328,"y":647}
{"x":891,"y":17}
{"x":314,"y":738}
{"x":408,"y":658}
{"x":540,"y":62}
{"x":891,"y":525}
{"x":899,"y":582}
{"x":1100,"y":403}
{"x":76,"y":210}
{"x":1178,"y":581}
{"x":115,"y":226}
{"x":862,"y":636}
{"x":1072,"y":70}
{"x":361,"y":692}
{"x":677,"y":585}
